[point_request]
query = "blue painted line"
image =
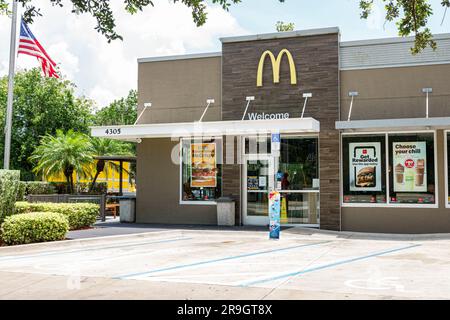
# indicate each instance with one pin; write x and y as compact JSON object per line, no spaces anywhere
{"x":134,"y":244}
{"x":326,"y":266}
{"x":201,"y":263}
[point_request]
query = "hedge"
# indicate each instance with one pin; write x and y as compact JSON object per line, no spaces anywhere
{"x":34,"y":227}
{"x":9,"y":187}
{"x":37,"y":187}
{"x":79,"y":215}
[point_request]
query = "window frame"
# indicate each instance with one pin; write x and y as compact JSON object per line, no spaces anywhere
{"x":388,"y":203}
{"x":446,"y":159}
{"x":219,"y":162}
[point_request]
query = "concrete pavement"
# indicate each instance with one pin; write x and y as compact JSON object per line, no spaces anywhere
{"x":206,"y":264}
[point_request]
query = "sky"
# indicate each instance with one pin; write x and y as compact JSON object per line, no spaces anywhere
{"x":105,"y":71}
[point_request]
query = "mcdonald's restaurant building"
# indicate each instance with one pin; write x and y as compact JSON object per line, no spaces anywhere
{"x":364,"y":129}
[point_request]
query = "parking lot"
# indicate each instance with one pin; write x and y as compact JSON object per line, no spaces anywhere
{"x":210,"y":264}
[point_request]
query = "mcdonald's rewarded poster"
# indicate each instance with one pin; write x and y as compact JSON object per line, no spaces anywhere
{"x":410,"y":163}
{"x":365,"y":166}
{"x":204,"y":165}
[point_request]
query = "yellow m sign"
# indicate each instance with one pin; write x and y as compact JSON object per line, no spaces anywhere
{"x":276,"y":65}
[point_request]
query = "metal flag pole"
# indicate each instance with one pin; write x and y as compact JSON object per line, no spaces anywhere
{"x":12,"y":69}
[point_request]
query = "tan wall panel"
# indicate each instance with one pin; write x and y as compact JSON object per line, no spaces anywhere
{"x":393,"y":93}
{"x":158,"y":188}
{"x":178,"y":89}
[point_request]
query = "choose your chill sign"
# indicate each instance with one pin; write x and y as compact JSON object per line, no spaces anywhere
{"x":365,"y":166}
{"x":410,"y":163}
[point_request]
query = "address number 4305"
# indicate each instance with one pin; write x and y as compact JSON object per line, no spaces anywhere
{"x":113,"y":132}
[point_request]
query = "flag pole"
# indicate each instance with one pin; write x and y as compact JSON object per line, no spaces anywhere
{"x":12,"y":69}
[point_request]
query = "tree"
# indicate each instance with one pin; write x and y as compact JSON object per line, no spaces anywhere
{"x":412,"y":18}
{"x":284,"y":27}
{"x":107,"y":147}
{"x":119,"y":112}
{"x":65,"y":153}
{"x":41,"y":107}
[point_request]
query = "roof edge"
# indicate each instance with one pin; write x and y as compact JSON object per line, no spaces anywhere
{"x":181,"y":57}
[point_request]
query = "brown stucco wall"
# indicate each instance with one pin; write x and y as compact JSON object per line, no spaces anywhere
{"x":393,"y":93}
{"x":195,"y":81}
{"x":317,"y":63}
{"x":158,"y":188}
{"x":404,"y":220}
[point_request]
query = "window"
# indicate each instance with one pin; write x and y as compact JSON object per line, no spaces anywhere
{"x":364,"y":169}
{"x":447,"y":156}
{"x":411,"y":168}
{"x":201,"y":170}
{"x":389,"y":168}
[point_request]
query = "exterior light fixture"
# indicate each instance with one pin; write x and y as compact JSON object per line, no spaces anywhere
{"x":147,"y":105}
{"x":208,"y":103}
{"x":249,"y":100}
{"x":427,"y":91}
{"x":352,"y":94}
{"x":306,"y":96}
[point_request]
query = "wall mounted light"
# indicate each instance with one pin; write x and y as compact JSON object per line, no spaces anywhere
{"x":352,"y":94}
{"x":306,"y":96}
{"x":208,"y":103}
{"x":427,"y":91}
{"x":249,"y":99}
{"x":147,"y":105}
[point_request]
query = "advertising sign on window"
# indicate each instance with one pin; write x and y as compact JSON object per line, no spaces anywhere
{"x":274,"y":215}
{"x":365,"y":166}
{"x":204,"y":165}
{"x":410,"y":163}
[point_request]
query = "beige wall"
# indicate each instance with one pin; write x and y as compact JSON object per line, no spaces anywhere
{"x":178,"y":89}
{"x":158,"y":188}
{"x":404,"y":220}
{"x":393,"y":93}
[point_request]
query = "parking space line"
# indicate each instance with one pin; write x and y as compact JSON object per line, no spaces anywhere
{"x":134,"y":244}
{"x":325,"y":266}
{"x":201,"y":263}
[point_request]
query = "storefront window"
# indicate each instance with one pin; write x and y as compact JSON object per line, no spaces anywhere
{"x":201,"y":170}
{"x":258,"y":145}
{"x":364,"y":169}
{"x":411,"y":168}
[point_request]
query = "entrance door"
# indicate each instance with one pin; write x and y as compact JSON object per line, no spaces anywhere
{"x":258,"y":182}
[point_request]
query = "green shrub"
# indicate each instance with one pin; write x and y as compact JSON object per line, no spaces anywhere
{"x":79,"y":215}
{"x":84,"y":187}
{"x":22,"y":191}
{"x":9,"y":187}
{"x":38,"y":187}
{"x":34,"y":227}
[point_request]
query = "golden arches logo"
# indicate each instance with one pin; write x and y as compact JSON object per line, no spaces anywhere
{"x":276,"y":65}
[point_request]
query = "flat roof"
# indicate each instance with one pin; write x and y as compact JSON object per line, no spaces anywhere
{"x":394,"y":124}
{"x":207,"y":129}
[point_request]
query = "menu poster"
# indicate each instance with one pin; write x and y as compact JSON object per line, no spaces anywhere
{"x":365,"y":166}
{"x":410,"y":163}
{"x":204,"y":165}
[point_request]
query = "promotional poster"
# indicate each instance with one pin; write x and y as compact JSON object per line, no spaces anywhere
{"x":275,"y":214}
{"x":410,"y":163}
{"x":365,"y":166}
{"x":204,"y":165}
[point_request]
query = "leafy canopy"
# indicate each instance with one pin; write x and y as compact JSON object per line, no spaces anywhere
{"x":120,"y":112}
{"x":411,"y":17}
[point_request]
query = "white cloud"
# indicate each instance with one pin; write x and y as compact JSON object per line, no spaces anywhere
{"x":105,"y":72}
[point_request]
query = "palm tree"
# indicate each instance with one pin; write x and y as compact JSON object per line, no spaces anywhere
{"x":63,"y":153}
{"x":106,"y":147}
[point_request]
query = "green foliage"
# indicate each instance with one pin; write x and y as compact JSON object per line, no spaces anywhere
{"x":41,"y":106}
{"x":37,"y":187}
{"x":98,"y":188}
{"x":9,"y":188}
{"x":21,"y":191}
{"x":66,"y":152}
{"x":79,"y":215}
{"x":34,"y":227}
{"x":411,"y":18}
{"x":119,"y":112}
{"x":284,"y":27}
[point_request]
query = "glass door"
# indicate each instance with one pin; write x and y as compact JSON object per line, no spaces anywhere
{"x":258,"y":182}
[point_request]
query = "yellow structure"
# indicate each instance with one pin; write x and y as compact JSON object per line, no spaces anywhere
{"x":111,"y":177}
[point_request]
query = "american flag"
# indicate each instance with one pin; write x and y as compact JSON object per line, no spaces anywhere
{"x":29,"y":45}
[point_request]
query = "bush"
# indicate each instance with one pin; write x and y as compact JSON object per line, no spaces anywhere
{"x":22,"y":191}
{"x":37,"y":187}
{"x":9,"y":187}
{"x":34,"y":227}
{"x":79,"y":215}
{"x":99,"y":187}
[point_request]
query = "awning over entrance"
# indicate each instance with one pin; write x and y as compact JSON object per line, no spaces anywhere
{"x":208,"y":129}
{"x":394,"y":124}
